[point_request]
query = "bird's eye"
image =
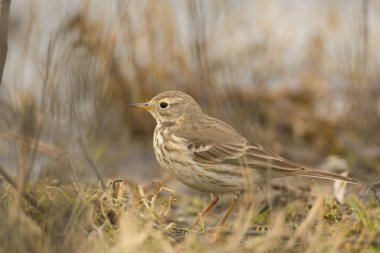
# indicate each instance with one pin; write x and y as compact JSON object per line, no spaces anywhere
{"x":163,"y":105}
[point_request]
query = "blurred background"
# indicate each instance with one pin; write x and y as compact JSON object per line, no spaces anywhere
{"x":299,"y":77}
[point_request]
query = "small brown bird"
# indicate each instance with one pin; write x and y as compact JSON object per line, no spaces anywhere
{"x":208,"y":155}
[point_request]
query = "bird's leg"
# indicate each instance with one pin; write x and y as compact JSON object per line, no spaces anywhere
{"x":214,"y":201}
{"x":230,"y":208}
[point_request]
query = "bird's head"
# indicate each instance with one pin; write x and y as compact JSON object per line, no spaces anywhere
{"x":171,"y":106}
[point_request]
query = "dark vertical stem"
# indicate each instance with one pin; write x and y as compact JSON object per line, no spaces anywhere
{"x":26,"y":195}
{"x":365,"y":33}
{"x":38,"y":125}
{"x":4,"y":17}
{"x":92,"y":164}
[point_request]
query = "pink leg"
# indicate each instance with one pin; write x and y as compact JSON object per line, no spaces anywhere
{"x":230,"y":208}
{"x":214,"y":201}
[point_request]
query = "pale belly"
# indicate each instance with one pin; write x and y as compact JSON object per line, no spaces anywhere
{"x":177,"y":160}
{"x":199,"y":178}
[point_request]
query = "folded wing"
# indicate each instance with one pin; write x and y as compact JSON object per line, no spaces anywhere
{"x":223,"y":145}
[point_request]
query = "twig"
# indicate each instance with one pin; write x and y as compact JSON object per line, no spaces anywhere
{"x":7,"y":178}
{"x":38,"y":131}
{"x":143,"y":198}
{"x":4,"y":17}
{"x":177,"y":239}
{"x":92,"y":164}
{"x":365,"y":33}
{"x":156,"y":226}
{"x":26,"y":195}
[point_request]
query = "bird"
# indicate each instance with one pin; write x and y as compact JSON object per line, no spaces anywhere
{"x":209,"y":155}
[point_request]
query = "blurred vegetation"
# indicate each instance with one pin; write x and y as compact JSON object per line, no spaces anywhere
{"x":134,"y":218}
{"x":313,"y":98}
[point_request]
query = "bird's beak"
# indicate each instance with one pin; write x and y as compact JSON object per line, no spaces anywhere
{"x":144,"y":106}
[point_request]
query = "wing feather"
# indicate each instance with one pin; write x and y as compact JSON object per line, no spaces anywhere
{"x":221,"y":144}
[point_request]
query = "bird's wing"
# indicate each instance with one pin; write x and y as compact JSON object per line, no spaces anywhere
{"x":215,"y":142}
{"x":221,"y":144}
{"x":212,"y":141}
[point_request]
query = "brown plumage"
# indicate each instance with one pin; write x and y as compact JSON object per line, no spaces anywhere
{"x":208,"y":154}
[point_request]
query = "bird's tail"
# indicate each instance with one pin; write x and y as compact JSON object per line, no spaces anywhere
{"x":323,"y":174}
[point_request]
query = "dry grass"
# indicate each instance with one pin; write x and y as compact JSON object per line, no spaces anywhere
{"x":66,"y":124}
{"x":134,"y":218}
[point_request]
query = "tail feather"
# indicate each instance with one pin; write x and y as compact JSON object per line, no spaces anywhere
{"x":323,"y":174}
